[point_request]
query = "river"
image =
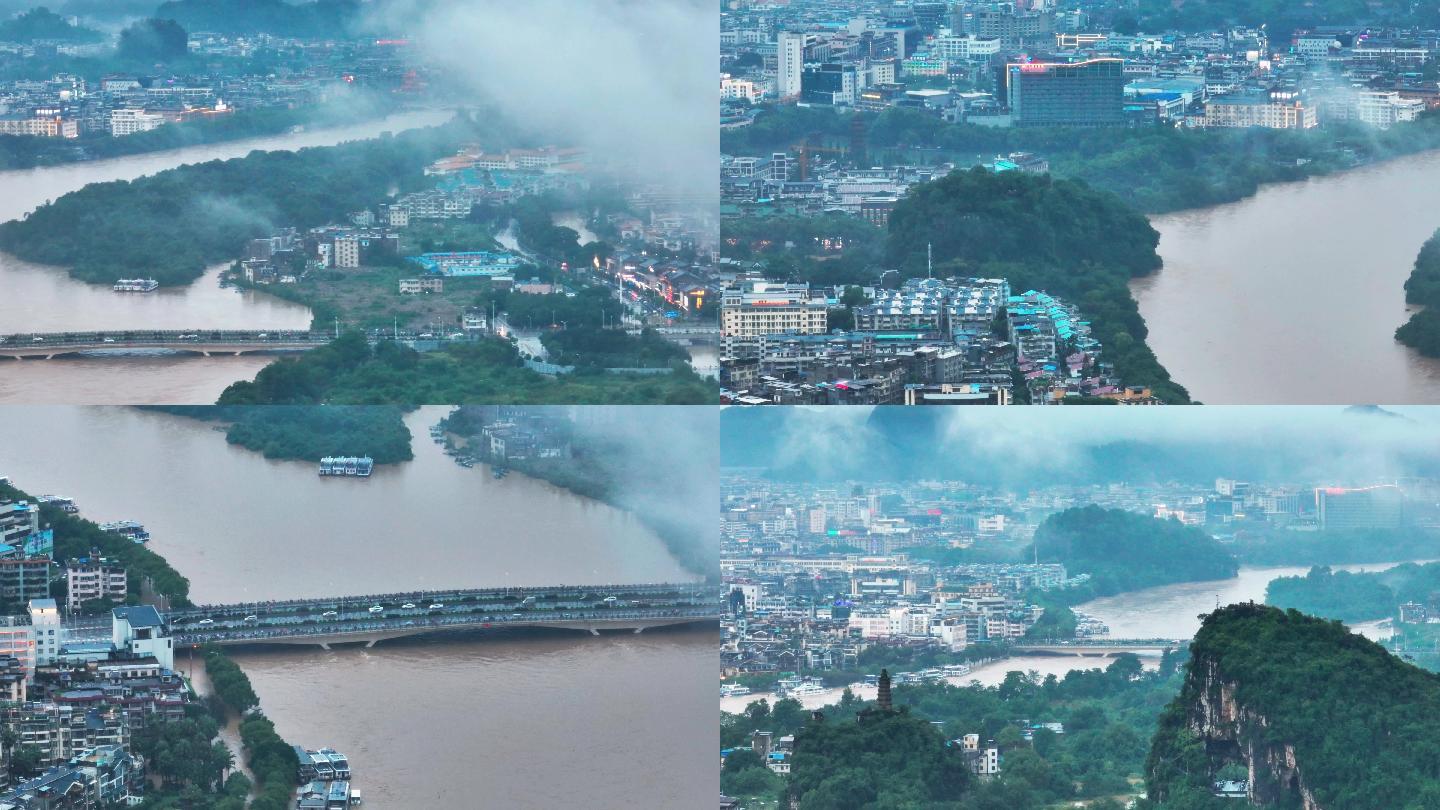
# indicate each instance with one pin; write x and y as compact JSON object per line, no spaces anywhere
{"x":35,"y":298}
{"x":1169,"y":611}
{"x":427,"y":523}
{"x":1293,"y":295}
{"x":522,"y":720}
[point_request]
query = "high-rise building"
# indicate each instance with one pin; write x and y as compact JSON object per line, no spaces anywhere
{"x":1079,"y":94}
{"x":789,"y":63}
{"x":766,"y":308}
{"x":45,"y":622}
{"x":828,"y":84}
{"x":1377,"y":507}
{"x":25,"y":578}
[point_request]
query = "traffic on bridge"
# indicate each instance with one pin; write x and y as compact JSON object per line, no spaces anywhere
{"x":362,"y":618}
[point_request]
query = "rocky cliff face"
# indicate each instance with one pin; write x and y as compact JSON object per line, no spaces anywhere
{"x":1318,"y":717}
{"x":1234,"y":733}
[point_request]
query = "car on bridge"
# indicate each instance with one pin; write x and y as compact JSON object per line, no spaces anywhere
{"x":376,"y":609}
{"x":408,"y":606}
{"x":329,"y":614}
{"x":437,"y":606}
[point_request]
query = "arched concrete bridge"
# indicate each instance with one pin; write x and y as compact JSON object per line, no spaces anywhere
{"x":200,"y":342}
{"x":369,"y":619}
{"x":1099,"y":647}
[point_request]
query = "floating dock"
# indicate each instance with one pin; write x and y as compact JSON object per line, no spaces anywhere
{"x":142,"y":285}
{"x":357,"y":466}
{"x":127,"y":528}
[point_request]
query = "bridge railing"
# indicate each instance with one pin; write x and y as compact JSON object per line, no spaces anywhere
{"x":1103,"y":642}
{"x":161,"y":336}
{"x":690,"y":590}
{"x":342,"y":627}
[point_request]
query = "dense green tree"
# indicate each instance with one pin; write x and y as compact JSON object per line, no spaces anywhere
{"x":1041,"y":233}
{"x":76,"y":537}
{"x":349,"y":371}
{"x":42,"y":23}
{"x":154,"y":40}
{"x":1307,"y":687}
{"x":170,"y":225}
{"x":1124,"y":551}
{"x":888,"y":758}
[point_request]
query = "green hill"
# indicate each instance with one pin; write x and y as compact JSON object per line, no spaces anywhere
{"x":1324,"y":718}
{"x":1124,"y":551}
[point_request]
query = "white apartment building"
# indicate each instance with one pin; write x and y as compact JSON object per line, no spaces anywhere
{"x":140,"y":631}
{"x":740,"y":89}
{"x":1240,"y":111}
{"x":1385,"y":108}
{"x":789,"y":63}
{"x":767,"y":308}
{"x":45,"y":624}
{"x":130,"y":120}
{"x":93,"y":580}
{"x":965,"y":48}
{"x":44,"y":126}
{"x":347,"y":251}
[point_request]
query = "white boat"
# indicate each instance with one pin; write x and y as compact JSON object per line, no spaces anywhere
{"x":733,"y":690}
{"x":136,"y":285}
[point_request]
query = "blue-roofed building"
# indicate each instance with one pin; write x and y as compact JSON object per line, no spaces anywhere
{"x":140,"y":631}
{"x":475,"y":263}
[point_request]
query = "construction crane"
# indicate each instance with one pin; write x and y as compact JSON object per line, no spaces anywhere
{"x":855,"y":151}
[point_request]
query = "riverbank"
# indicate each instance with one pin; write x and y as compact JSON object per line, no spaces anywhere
{"x":171,"y":225}
{"x":310,"y":432}
{"x":75,"y":536}
{"x":349,"y":371}
{"x":1158,"y":170}
{"x":1422,"y":331}
{"x":590,"y":472}
{"x":244,"y":528}
{"x":30,"y":152}
{"x":986,"y":673}
{"x":269,"y":760}
{"x":1242,"y":316}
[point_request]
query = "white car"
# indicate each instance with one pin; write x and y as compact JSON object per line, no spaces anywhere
{"x":437,"y":606}
{"x":329,"y":614}
{"x":252,"y":618}
{"x":376,"y":609}
{"x":204,"y":622}
{"x":408,"y":606}
{"x":109,"y":340}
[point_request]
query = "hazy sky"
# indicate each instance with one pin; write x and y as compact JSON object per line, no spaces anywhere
{"x":1163,"y":442}
{"x":630,"y":79}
